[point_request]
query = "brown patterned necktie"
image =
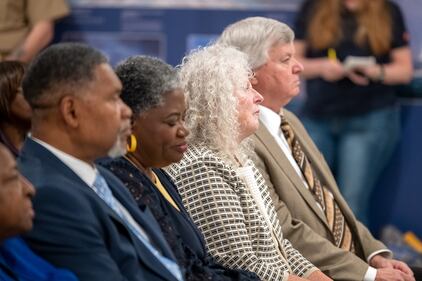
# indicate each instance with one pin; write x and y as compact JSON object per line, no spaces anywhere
{"x":336,"y":220}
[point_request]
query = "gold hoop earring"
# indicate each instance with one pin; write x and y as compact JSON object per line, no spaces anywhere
{"x":132,"y":143}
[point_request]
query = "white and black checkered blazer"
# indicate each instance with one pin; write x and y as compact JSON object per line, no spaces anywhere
{"x":235,"y":232}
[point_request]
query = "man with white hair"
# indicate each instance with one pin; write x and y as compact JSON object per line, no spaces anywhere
{"x":313,"y":214}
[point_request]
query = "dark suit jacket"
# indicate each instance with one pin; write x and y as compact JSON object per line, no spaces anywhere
{"x":75,"y":229}
{"x":298,"y":213}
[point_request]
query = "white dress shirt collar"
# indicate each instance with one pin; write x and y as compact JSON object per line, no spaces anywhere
{"x":270,"y":119}
{"x":84,"y":170}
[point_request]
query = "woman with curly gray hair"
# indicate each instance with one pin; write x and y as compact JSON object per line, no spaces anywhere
{"x":220,"y":187}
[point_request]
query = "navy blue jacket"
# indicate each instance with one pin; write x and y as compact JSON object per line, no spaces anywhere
{"x":75,"y":229}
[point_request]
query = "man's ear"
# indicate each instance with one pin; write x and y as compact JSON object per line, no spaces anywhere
{"x":69,"y":110}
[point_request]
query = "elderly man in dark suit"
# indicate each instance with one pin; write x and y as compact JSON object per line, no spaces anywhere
{"x":86,"y":220}
{"x":313,"y":214}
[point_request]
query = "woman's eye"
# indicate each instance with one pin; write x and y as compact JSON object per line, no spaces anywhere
{"x":171,"y":122}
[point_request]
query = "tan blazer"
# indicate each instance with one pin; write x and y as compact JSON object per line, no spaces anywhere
{"x":302,"y":221}
{"x":235,"y":231}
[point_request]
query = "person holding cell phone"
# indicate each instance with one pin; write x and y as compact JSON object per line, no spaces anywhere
{"x":350,"y":110}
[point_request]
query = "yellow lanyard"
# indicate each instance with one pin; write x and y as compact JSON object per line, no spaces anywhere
{"x":164,"y":192}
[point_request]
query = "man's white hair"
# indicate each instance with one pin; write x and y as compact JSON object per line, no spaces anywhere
{"x":210,"y":76}
{"x":255,"y":36}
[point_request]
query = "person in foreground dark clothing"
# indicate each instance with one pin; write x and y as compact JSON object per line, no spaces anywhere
{"x":17,"y":261}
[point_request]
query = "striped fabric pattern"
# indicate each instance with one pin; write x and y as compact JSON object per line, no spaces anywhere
{"x":338,"y":225}
{"x":235,"y":231}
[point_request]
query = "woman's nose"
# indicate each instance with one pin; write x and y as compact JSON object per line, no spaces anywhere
{"x":258,"y":97}
{"x":183,"y":131}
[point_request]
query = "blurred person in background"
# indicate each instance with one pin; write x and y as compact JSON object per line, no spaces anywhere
{"x":351,"y":110}
{"x":15,"y":111}
{"x":221,"y":189}
{"x":152,"y":89}
{"x":27,"y":26}
{"x":17,"y":261}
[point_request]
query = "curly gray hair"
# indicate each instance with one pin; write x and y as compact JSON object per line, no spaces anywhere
{"x":255,"y":36}
{"x":210,"y":77}
{"x":145,"y":81}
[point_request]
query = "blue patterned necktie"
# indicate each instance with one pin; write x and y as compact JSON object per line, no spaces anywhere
{"x":104,"y":192}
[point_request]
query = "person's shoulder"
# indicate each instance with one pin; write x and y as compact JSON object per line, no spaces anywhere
{"x":196,"y":154}
{"x":108,"y":162}
{"x":297,"y":125}
{"x":39,"y":165}
{"x":115,"y":181}
{"x":189,"y":156}
{"x":208,"y":160}
{"x":198,"y":159}
{"x":27,"y":262}
{"x":56,"y":184}
{"x":291,"y":117}
{"x":15,"y":244}
{"x":62,"y":196}
{"x":108,"y":167}
{"x":47,"y":180}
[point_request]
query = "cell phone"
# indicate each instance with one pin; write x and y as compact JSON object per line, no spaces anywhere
{"x":352,"y":62}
